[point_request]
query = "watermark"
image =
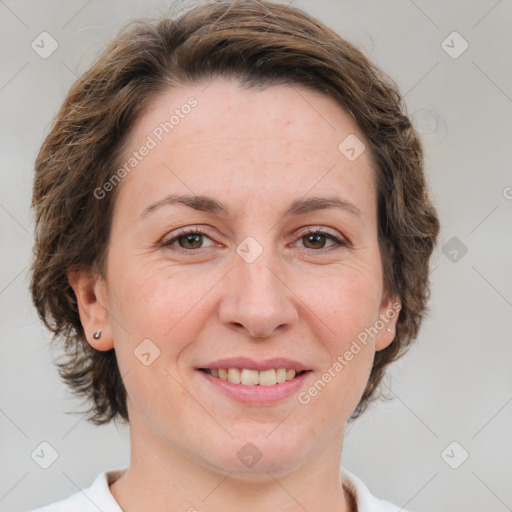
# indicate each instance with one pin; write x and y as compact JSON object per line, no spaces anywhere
{"x":44,"y":455}
{"x":352,"y":147}
{"x":146,"y":352}
{"x":157,"y":135}
{"x":454,"y":249}
{"x":304,"y":397}
{"x":454,"y":455}
{"x":249,"y":249}
{"x":44,"y":45}
{"x":249,"y":455}
{"x":454,"y":45}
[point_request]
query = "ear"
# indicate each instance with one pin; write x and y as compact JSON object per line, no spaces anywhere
{"x":388,"y":317}
{"x":90,"y":291}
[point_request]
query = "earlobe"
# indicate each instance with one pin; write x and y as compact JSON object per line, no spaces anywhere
{"x":388,"y":317}
{"x":90,"y":292}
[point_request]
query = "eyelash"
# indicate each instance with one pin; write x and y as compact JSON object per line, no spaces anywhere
{"x":185,"y":232}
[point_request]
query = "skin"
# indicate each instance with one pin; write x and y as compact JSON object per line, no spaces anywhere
{"x":256,"y":151}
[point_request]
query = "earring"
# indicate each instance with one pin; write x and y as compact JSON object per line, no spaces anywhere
{"x":388,"y":329}
{"x":97,"y":335}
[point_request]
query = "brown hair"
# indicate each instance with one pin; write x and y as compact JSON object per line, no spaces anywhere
{"x":261,"y":44}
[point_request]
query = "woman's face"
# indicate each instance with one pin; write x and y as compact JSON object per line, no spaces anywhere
{"x":272,"y":280}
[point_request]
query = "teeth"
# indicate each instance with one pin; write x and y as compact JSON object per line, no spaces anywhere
{"x":290,"y":374}
{"x":249,"y":377}
{"x":280,"y":375}
{"x":234,"y":375}
{"x":254,"y":377}
{"x":267,"y":378}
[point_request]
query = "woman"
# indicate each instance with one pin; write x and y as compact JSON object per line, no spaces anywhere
{"x":233,"y":240}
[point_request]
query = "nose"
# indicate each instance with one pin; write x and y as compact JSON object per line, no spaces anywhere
{"x":257,"y":299}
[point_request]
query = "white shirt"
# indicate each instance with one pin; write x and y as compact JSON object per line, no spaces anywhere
{"x":98,"y":497}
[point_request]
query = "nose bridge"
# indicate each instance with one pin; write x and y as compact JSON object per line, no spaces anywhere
{"x":257,"y":298}
{"x":259,"y":283}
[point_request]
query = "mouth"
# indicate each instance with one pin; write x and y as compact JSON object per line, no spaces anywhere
{"x":255,"y":383}
{"x":249,"y":377}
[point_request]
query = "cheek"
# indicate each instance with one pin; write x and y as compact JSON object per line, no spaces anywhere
{"x":345,"y":299}
{"x":167,"y":307}
{"x":153,"y":298}
{"x":345,"y":304}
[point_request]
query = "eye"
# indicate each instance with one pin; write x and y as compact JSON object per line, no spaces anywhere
{"x":316,"y":239}
{"x":187,"y":239}
{"x":190,"y":241}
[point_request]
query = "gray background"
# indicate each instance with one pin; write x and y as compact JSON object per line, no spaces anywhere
{"x":454,"y":385}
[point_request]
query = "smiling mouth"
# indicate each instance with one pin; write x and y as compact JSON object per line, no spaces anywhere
{"x":253,"y":377}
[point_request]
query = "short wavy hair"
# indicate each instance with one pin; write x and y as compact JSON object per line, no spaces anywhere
{"x":260,"y":44}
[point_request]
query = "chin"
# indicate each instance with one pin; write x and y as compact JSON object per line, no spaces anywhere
{"x":255,"y":456}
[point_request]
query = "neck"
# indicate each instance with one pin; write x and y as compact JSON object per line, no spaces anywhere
{"x":161,"y":478}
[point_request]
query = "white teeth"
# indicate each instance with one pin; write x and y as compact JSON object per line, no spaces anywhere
{"x":234,"y":375}
{"x":267,"y":378}
{"x":249,"y":377}
{"x":280,"y":375}
{"x":290,"y":374}
{"x":254,"y":377}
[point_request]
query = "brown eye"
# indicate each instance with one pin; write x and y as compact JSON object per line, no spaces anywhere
{"x":314,"y":240}
{"x":190,"y":241}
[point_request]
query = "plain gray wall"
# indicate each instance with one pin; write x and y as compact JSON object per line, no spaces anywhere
{"x":454,"y":385}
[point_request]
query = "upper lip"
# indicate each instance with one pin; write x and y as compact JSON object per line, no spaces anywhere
{"x":251,"y":364}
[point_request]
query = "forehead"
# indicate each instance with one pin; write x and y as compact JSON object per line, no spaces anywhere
{"x":222,"y":110}
{"x":221,"y":137}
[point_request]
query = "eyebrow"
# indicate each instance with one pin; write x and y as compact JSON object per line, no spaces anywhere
{"x":297,"y":207}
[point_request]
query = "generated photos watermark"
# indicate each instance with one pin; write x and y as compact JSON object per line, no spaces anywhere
{"x":304,"y":397}
{"x":157,"y":135}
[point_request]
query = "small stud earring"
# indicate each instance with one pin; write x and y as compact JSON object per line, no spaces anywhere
{"x":97,"y":335}
{"x":388,"y":329}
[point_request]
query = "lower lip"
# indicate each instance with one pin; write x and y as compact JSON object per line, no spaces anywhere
{"x":257,"y":394}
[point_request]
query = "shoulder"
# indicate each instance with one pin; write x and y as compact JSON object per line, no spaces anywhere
{"x":366,"y":501}
{"x":94,"y":498}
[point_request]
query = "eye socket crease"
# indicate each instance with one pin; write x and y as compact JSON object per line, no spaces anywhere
{"x":339,"y":241}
